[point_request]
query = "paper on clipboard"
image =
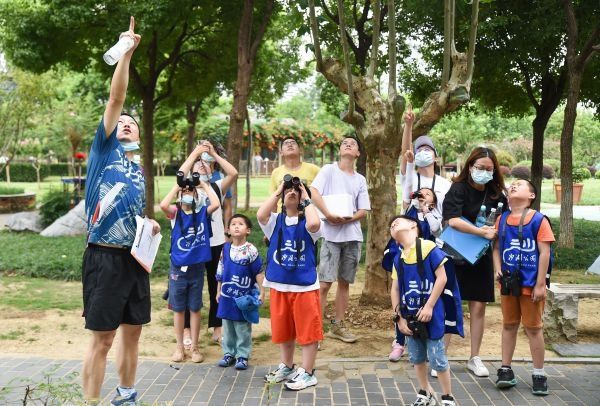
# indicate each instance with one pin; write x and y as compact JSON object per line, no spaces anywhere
{"x":145,"y":245}
{"x":338,"y":204}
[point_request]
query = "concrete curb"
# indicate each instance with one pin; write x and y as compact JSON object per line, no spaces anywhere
{"x":554,"y":360}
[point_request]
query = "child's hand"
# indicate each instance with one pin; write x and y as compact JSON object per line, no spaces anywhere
{"x":403,"y":327}
{"x":410,"y":156}
{"x":498,"y":274}
{"x":409,"y":116}
{"x":424,"y":314}
{"x":279,"y":190}
{"x":539,"y":293}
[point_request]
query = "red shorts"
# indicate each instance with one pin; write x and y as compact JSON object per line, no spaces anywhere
{"x":296,"y":315}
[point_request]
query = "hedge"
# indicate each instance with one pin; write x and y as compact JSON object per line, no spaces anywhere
{"x":24,"y":172}
{"x":62,"y":169}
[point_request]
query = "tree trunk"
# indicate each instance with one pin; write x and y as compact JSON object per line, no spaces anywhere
{"x":148,"y":137}
{"x":191,"y":115}
{"x":537,"y":159}
{"x":249,"y":160}
{"x":566,"y":239}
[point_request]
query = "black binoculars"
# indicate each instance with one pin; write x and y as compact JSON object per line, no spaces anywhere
{"x":418,"y":328}
{"x":510,"y":283}
{"x":416,"y":195}
{"x":187,"y":183}
{"x":290,"y":182}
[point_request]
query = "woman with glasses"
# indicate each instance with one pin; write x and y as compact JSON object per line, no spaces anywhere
{"x":480,"y":183}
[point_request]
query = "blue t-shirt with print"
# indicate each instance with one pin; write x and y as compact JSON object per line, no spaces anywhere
{"x":109,"y":168}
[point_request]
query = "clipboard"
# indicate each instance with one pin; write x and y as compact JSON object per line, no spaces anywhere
{"x":339,"y":204}
{"x":470,"y":246}
{"x":145,"y":246}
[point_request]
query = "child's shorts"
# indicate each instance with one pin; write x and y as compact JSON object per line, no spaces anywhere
{"x":421,"y":350}
{"x":296,"y":315}
{"x":185,"y":288}
{"x":521,"y":309}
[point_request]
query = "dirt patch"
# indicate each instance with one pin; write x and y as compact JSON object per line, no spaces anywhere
{"x":61,"y":334}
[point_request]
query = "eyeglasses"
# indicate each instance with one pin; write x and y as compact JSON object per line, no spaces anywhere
{"x":289,"y":142}
{"x":483,"y":168}
{"x":349,"y":143}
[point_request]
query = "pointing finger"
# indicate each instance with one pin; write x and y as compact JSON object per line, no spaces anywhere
{"x":131,"y":23}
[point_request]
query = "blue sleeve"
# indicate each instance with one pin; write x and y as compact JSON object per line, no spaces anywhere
{"x":228,"y":194}
{"x":256,"y":266}
{"x":435,"y":258}
{"x":101,"y":144}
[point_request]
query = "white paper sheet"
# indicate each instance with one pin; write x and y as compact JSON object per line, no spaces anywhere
{"x":338,"y":204}
{"x":145,"y":245}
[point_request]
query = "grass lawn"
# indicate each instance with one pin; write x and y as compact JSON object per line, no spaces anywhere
{"x":590,"y":195}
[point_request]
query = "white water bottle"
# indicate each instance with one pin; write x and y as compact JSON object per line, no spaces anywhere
{"x":113,"y":55}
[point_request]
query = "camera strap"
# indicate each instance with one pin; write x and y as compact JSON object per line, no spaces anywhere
{"x":419,"y":182}
{"x":520,"y":232}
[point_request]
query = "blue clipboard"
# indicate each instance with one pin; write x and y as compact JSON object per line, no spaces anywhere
{"x":470,"y":246}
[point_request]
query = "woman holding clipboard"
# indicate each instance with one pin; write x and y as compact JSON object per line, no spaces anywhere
{"x":479,"y":183}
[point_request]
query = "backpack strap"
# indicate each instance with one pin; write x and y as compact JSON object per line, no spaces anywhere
{"x":217,"y":191}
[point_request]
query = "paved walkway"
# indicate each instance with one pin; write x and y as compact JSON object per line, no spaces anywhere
{"x":341,"y":382}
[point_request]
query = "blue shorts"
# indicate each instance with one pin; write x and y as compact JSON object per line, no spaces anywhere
{"x":419,"y":351}
{"x":185,"y":288}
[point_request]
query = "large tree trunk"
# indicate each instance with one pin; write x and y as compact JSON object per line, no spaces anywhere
{"x":148,"y":136}
{"x":566,"y":239}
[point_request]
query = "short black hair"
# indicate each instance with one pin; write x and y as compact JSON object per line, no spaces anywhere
{"x":243,"y":217}
{"x":355,"y":138}
{"x":124,"y":113}
{"x":289,"y":137}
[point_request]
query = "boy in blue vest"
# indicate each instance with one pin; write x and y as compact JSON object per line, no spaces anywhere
{"x":291,"y":275}
{"x":521,"y":261}
{"x":190,"y":250}
{"x":419,"y":281}
{"x":238,"y":272}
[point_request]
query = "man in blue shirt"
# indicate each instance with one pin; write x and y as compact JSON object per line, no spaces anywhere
{"x":116,"y":289}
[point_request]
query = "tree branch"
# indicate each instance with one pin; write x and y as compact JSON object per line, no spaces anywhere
{"x":447,"y":42}
{"x":588,"y":49}
{"x":472,"y":39}
{"x":528,"y":86}
{"x":331,"y":16}
{"x":391,"y":49}
{"x":174,"y":54}
{"x":262,"y":29}
{"x":375,"y":41}
{"x":314,"y":28}
{"x":571,"y":33}
{"x":365,"y":13}
{"x":347,"y":66}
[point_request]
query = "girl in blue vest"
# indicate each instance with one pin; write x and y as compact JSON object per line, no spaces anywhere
{"x":238,"y":272}
{"x":190,"y":250}
{"x":291,"y":275}
{"x":420,"y":279}
{"x":522,"y":257}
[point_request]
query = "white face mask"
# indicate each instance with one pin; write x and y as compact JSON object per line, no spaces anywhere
{"x":187,"y":199}
{"x":204,"y":178}
{"x":130,"y":145}
{"x":423,"y":158}
{"x":481,"y":176}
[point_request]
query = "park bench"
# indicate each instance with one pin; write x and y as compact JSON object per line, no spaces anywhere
{"x":561,"y":312}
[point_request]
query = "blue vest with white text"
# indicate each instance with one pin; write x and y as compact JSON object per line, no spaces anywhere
{"x":292,"y":254}
{"x":187,"y":247}
{"x":425,"y":229}
{"x":237,"y":280}
{"x":522,"y":257}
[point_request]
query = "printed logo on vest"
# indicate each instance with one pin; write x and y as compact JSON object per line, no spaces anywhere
{"x":526,"y":254}
{"x":236,"y":287}
{"x":295,"y":258}
{"x":191,"y":240}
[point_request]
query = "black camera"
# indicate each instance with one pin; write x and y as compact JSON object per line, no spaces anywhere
{"x":510,"y":283}
{"x":418,"y":328}
{"x":290,"y":182}
{"x":187,"y":183}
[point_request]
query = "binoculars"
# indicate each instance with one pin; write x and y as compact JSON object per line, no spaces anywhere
{"x":418,"y":328}
{"x":290,"y":182}
{"x":187,"y":183}
{"x":510,"y":283}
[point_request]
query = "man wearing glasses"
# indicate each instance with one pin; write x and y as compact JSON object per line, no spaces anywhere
{"x":291,"y":156}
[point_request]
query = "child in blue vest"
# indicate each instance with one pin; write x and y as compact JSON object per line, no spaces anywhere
{"x":291,"y":275}
{"x":522,"y":256}
{"x":420,"y":279}
{"x":190,"y":249}
{"x":238,"y":272}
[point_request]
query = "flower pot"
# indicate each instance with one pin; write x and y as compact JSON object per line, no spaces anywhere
{"x":577,"y":192}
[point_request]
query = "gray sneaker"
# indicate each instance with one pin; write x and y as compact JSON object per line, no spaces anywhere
{"x":282,"y":373}
{"x":339,"y":331}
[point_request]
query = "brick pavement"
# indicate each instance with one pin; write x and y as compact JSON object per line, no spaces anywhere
{"x":341,"y":382}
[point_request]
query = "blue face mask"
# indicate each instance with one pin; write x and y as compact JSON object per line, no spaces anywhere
{"x":129,"y":146}
{"x":205,"y":178}
{"x":187,"y":199}
{"x":423,"y":158}
{"x":206,"y":157}
{"x":481,"y":176}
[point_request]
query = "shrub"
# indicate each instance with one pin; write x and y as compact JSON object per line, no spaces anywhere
{"x":592,"y":170}
{"x":547,"y":172}
{"x":62,"y":169}
{"x":11,"y":190}
{"x":521,"y":172}
{"x":597,"y":175}
{"x":505,"y":159}
{"x":526,"y":164}
{"x":55,"y":204}
{"x":579,"y":174}
{"x":24,"y":172}
{"x":504,"y":170}
{"x":555,"y":164}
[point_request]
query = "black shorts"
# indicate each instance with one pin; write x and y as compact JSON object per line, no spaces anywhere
{"x":476,"y":282}
{"x":116,"y":289}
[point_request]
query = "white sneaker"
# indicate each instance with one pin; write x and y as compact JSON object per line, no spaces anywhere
{"x":302,"y":380}
{"x":282,"y":373}
{"x":434,"y":373}
{"x":476,"y":366}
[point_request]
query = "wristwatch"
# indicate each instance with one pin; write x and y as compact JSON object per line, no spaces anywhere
{"x":307,"y":202}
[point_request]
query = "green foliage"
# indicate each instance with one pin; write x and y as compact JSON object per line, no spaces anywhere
{"x":50,"y":390}
{"x":31,"y":294}
{"x":597,"y":175}
{"x":580,"y":174}
{"x":526,"y":163}
{"x":11,"y":190}
{"x":584,"y":253}
{"x":55,"y":204}
{"x":505,"y":158}
{"x":554,"y":163}
{"x":62,"y":169}
{"x":24,"y":172}
{"x":523,"y":172}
